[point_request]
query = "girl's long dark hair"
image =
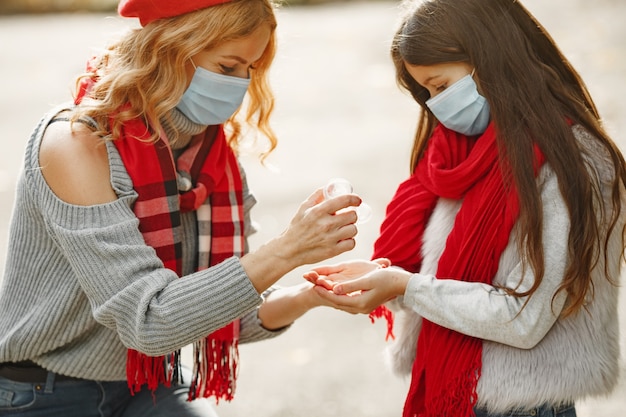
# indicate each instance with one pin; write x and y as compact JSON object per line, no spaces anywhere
{"x":534,"y":94}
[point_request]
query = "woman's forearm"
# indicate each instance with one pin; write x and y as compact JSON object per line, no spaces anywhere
{"x":284,"y":305}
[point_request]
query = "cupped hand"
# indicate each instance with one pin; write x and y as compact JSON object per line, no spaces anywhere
{"x":366,"y":292}
{"x":328,"y":276}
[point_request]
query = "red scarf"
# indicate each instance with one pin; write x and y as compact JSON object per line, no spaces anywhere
{"x":217,"y":198}
{"x":448,"y":364}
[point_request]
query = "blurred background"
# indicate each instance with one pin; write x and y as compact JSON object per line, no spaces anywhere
{"x":338,"y":114}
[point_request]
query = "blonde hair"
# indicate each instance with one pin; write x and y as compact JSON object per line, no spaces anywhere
{"x":143,"y":74}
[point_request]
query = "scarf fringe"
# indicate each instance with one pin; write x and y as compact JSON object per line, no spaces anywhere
{"x":215,"y":369}
{"x":453,"y":402}
{"x":383,"y":312}
{"x":152,"y":371}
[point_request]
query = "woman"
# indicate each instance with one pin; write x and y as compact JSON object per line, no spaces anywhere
{"x":506,"y":241}
{"x":134,"y":186}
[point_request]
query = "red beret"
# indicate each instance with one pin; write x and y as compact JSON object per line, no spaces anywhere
{"x":150,"y":10}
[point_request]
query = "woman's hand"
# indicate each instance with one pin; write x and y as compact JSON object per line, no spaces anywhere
{"x":319,"y":230}
{"x":360,"y":294}
{"x":285,"y":305}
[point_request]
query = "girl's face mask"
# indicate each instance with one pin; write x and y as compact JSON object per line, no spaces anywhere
{"x":461,"y":108}
{"x":212,"y":98}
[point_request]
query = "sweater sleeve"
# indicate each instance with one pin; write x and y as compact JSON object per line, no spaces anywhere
{"x":487,"y":312}
{"x":129,"y":290}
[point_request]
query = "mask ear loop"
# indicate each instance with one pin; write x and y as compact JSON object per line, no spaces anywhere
{"x":472,"y":73}
{"x":193,"y":63}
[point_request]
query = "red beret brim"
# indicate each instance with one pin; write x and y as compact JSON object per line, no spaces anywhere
{"x":150,"y":10}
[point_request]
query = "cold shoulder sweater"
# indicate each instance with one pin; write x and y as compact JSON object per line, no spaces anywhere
{"x":531,"y":356}
{"x":80,"y":286}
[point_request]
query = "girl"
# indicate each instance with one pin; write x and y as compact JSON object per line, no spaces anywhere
{"x":506,"y":241}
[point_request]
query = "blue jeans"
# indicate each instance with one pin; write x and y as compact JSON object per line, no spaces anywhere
{"x":84,"y":398}
{"x":567,"y":410}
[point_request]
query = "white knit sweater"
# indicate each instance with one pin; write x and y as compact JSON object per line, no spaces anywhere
{"x":81,"y":286}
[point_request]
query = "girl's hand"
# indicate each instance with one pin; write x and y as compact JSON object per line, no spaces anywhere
{"x":328,"y":276}
{"x":365,"y":293}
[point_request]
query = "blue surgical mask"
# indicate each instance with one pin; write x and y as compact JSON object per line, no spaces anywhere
{"x":460,"y":107}
{"x":212,"y":98}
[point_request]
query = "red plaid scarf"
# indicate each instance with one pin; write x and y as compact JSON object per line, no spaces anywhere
{"x":218,"y":201}
{"x":448,"y":364}
{"x":217,"y":198}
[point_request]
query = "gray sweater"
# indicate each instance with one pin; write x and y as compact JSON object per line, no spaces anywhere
{"x":531,"y":356}
{"x":81,"y":286}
